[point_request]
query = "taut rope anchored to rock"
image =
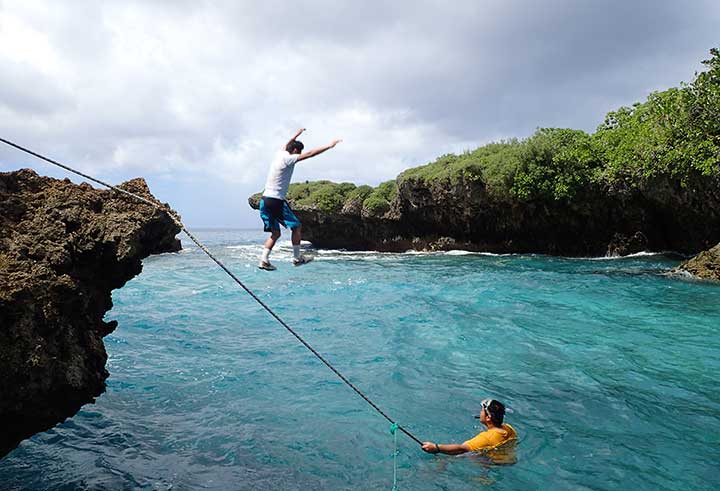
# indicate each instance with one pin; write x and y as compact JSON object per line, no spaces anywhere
{"x":230,"y":273}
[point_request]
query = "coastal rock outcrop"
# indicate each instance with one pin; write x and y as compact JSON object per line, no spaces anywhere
{"x":705,"y":265}
{"x":647,"y":179}
{"x":63,"y":249}
{"x":660,"y":214}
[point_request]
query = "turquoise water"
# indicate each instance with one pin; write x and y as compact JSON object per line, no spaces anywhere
{"x":610,"y":367}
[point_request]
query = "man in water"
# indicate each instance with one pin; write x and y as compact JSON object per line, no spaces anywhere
{"x":274,"y":210}
{"x":492,"y":413}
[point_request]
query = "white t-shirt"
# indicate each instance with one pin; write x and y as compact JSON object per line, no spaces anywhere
{"x":281,"y":170}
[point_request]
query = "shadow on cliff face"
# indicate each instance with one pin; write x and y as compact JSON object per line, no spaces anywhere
{"x":63,"y":249}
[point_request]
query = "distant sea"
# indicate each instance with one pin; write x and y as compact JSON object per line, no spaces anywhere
{"x":610,"y":366}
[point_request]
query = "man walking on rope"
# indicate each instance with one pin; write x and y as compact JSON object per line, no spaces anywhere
{"x":274,"y":210}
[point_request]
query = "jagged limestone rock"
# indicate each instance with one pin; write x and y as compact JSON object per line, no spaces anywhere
{"x":657,"y":214}
{"x":705,"y":265}
{"x":63,"y":249}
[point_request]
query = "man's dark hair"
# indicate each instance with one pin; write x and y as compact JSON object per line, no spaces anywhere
{"x":294,"y":145}
{"x":496,"y":411}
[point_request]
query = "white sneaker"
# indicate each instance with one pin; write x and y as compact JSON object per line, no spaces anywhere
{"x":266,"y":266}
{"x":299,"y":261}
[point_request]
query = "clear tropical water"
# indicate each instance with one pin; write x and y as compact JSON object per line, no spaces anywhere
{"x":610,"y":367}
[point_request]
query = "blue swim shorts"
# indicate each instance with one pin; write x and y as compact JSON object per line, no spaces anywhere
{"x":275,"y":212}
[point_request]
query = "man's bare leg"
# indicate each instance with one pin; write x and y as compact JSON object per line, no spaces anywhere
{"x":269,"y":244}
{"x":298,"y":259}
{"x":295,"y":239}
{"x":296,"y":236}
{"x":274,"y":236}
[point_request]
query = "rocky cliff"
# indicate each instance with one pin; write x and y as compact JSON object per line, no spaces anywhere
{"x":659,"y":214}
{"x":63,"y":249}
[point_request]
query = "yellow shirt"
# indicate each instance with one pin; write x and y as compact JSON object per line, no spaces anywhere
{"x":492,"y":438}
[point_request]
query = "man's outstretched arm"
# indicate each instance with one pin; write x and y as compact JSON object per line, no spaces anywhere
{"x":317,"y":151}
{"x":297,"y":133}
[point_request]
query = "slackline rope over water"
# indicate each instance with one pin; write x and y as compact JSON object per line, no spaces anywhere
{"x":230,"y":273}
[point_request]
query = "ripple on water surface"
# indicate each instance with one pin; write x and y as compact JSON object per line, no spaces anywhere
{"x":599,"y":359}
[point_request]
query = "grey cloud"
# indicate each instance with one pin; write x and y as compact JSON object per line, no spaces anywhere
{"x":532,"y":58}
{"x":27,"y":92}
{"x":168,"y":82}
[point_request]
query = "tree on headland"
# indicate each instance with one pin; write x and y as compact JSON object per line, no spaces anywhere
{"x":674,"y":133}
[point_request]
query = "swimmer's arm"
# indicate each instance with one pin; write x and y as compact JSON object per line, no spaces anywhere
{"x":446,"y":448}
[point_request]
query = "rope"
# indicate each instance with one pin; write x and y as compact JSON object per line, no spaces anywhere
{"x":224,"y":268}
{"x":393,"y":431}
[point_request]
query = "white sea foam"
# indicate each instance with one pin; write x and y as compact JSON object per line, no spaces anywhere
{"x":348,"y":257}
{"x":349,"y":253}
{"x":343,"y":254}
{"x":460,"y":252}
{"x":629,"y":256}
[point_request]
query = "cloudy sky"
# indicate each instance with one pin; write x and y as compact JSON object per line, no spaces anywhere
{"x":196,"y":96}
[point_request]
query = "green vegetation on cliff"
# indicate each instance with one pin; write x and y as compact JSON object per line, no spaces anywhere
{"x":675,"y":133}
{"x":331,"y":197}
{"x":552,"y":164}
{"x":324,"y":195}
{"x":378,"y":200}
